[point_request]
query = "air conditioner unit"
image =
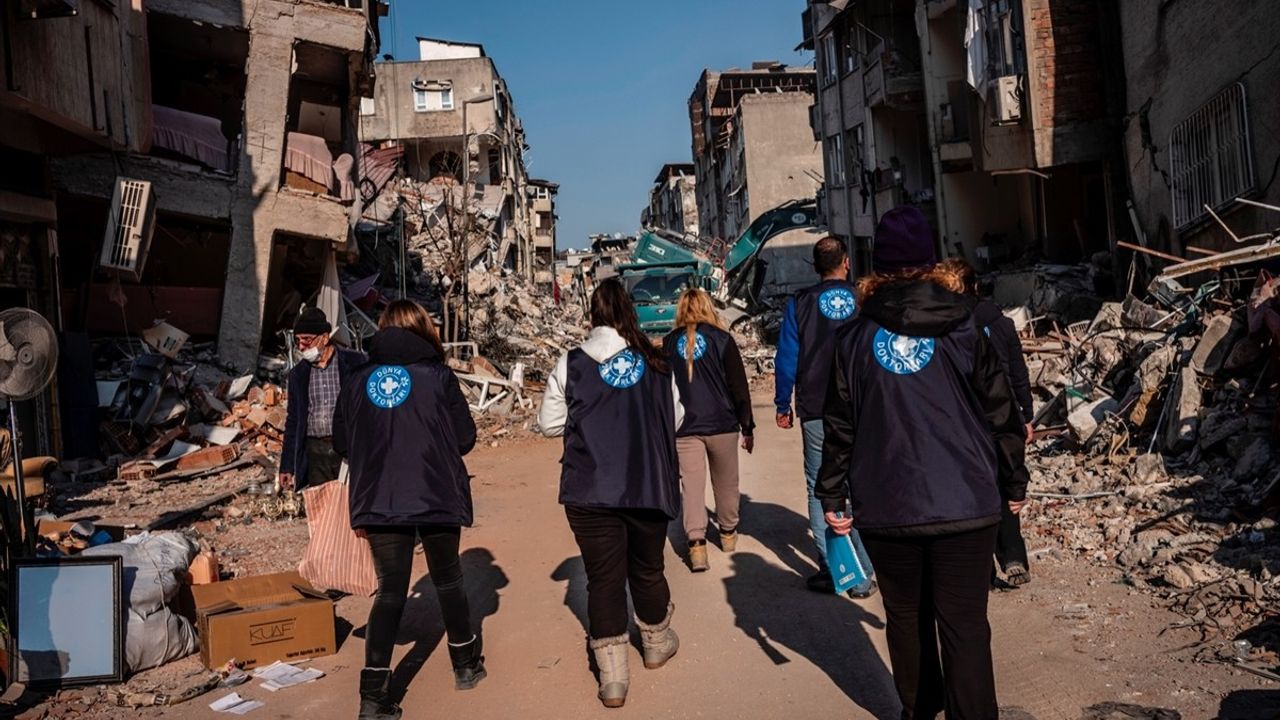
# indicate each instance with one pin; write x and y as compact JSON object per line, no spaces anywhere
{"x":129,"y":228}
{"x":1004,"y":97}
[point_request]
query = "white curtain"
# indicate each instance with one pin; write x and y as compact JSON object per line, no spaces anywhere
{"x":975,"y":44}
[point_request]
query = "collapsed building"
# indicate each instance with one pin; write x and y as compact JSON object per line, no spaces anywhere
{"x":187,"y":161}
{"x":673,"y":201}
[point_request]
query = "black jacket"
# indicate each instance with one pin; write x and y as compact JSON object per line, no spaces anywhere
{"x":620,"y":435}
{"x":1004,"y":337}
{"x":922,"y":432}
{"x":718,"y":398}
{"x":403,"y":425}
{"x":293,"y":457}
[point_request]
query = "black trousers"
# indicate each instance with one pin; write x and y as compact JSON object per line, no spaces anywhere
{"x":323,"y":463}
{"x":935,"y":588}
{"x":393,"y":562}
{"x":1010,"y":547}
{"x":621,"y":547}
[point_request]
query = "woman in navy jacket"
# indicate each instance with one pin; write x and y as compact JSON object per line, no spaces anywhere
{"x":616,"y":404}
{"x":923,"y":436}
{"x":717,"y":407}
{"x":403,"y":425}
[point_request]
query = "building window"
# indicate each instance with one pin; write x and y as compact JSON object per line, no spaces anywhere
{"x":1211,"y":159}
{"x":368,"y":106}
{"x":835,"y":161}
{"x":431,"y":100}
{"x":848,"y":36}
{"x":853,"y":138}
{"x":829,"y":61}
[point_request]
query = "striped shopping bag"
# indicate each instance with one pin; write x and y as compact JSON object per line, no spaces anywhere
{"x":336,"y":558}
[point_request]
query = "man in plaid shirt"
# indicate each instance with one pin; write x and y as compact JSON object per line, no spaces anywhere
{"x":313,"y":385}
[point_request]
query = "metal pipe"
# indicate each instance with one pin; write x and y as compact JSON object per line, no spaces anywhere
{"x":25,"y":529}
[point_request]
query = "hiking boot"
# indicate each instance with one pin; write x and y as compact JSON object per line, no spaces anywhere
{"x":698,"y":556}
{"x":659,"y":641}
{"x":863,"y":594}
{"x":821,"y":582}
{"x":375,"y":695}
{"x":1016,"y":574}
{"x":728,"y":541}
{"x":468,"y":663}
{"x":615,"y":676}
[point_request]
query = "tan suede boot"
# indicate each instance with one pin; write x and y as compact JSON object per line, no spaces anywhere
{"x":729,"y":542}
{"x":615,"y":676}
{"x":698,"y":561}
{"x":659,"y":641}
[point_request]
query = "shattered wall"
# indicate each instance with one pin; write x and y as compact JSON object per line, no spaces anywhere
{"x":1178,"y":55}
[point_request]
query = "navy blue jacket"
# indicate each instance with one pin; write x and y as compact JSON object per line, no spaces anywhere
{"x":293,"y":456}
{"x":403,"y":425}
{"x":1004,"y":338}
{"x":620,"y":435}
{"x":922,"y":432}
{"x":718,"y":398}
{"x":805,"y":345}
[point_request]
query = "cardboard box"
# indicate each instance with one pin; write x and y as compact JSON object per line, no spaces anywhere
{"x":259,"y":620}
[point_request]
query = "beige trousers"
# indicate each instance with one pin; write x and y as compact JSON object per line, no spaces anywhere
{"x":694,"y":452}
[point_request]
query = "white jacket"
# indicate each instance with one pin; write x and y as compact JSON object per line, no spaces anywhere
{"x":602,"y":344}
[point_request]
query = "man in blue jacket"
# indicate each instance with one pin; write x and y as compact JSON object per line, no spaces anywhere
{"x":308,"y":457}
{"x":803,"y":365}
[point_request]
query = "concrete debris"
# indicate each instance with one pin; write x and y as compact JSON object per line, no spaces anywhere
{"x":1166,"y":471}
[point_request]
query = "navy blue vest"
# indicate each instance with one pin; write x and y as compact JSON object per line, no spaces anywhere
{"x":708,"y":404}
{"x":820,"y":310}
{"x":620,"y":437}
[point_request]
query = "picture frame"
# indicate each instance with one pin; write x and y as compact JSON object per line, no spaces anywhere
{"x":67,"y":620}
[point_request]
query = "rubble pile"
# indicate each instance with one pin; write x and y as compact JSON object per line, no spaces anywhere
{"x":1157,"y":454}
{"x":178,"y":433}
{"x":512,"y":322}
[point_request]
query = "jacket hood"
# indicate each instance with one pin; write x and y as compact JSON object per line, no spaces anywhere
{"x":918,"y":308}
{"x":398,"y":346}
{"x":603,"y":343}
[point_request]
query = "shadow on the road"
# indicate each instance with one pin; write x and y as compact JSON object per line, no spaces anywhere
{"x":1250,"y":705}
{"x":422,"y":622}
{"x":573,"y":572}
{"x":784,"y":532}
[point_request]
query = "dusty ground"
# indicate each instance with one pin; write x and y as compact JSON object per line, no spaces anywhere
{"x":755,"y":643}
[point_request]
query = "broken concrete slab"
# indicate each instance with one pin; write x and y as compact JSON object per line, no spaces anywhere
{"x":1220,"y":335}
{"x":1183,"y":421}
{"x":1085,"y":420}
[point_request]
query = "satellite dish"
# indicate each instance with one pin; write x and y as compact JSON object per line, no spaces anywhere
{"x":28,"y":354}
{"x":28,"y":360}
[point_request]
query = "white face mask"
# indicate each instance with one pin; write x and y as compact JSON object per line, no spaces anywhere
{"x":310,"y":354}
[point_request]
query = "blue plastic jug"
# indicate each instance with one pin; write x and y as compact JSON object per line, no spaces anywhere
{"x":843,"y":562}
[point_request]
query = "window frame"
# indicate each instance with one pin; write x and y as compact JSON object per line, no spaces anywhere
{"x":835,"y":160}
{"x":1202,"y":162}
{"x":420,"y":100}
{"x":830,"y":59}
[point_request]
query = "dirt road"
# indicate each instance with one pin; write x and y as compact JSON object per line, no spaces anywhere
{"x":755,"y":643}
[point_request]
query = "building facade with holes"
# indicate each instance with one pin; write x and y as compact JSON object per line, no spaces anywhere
{"x":997,"y":118}
{"x":1203,"y":120}
{"x":422,"y":104}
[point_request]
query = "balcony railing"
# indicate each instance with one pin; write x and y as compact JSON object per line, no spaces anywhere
{"x":891,"y":81}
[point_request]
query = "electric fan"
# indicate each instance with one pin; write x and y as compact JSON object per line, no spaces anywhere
{"x":28,"y":359}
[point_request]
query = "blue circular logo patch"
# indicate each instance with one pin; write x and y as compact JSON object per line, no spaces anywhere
{"x":902,"y":354}
{"x":623,"y":370}
{"x":699,"y":346}
{"x":837,"y":303}
{"x":388,"y":386}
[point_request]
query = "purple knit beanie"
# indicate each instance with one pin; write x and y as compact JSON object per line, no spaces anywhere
{"x":904,"y":241}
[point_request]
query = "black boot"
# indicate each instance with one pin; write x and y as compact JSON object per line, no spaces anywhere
{"x":375,"y":695}
{"x":468,"y":663}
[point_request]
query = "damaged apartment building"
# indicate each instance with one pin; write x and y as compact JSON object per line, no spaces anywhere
{"x":752,"y":146}
{"x":454,"y":117}
{"x":998,"y":118}
{"x":187,"y":161}
{"x":673,"y":201}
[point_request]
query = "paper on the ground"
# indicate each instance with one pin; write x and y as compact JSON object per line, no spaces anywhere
{"x":215,"y":434}
{"x":278,"y":676}
{"x":239,"y":387}
{"x":234,"y":704}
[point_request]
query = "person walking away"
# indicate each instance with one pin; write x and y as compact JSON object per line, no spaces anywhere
{"x":1011,"y":547}
{"x":713,"y":386}
{"x":925,"y":438}
{"x":803,"y":363}
{"x":403,"y":424}
{"x":307,"y":457}
{"x":618,"y":408}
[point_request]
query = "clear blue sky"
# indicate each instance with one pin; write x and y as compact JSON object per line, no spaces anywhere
{"x":603,"y":87}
